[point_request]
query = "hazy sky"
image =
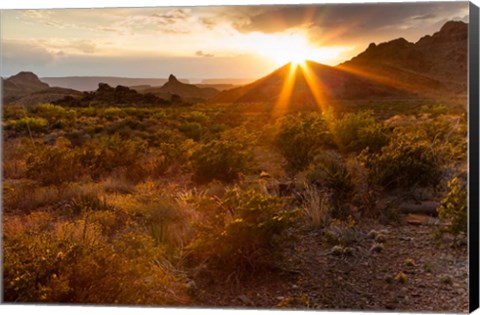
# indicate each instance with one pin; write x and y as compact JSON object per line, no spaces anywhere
{"x":206,"y":42}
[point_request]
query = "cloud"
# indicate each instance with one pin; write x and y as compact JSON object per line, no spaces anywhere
{"x":84,"y":46}
{"x":200,"y":53}
{"x":25,"y":53}
{"x":171,"y":16}
{"x":24,"y":56}
{"x":362,"y":17}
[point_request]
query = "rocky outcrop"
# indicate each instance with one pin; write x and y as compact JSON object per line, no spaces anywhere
{"x":186,"y":91}
{"x":118,"y":96}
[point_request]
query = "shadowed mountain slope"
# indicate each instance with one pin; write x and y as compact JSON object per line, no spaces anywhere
{"x":436,"y":65}
{"x":310,"y":82}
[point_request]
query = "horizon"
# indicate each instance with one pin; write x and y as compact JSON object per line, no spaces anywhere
{"x":206,"y":42}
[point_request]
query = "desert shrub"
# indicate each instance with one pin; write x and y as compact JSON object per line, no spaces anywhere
{"x":300,"y":137}
{"x":198,"y":117}
{"x":53,"y":164}
{"x":88,"y":202}
{"x":357,"y":131}
{"x":103,"y":155}
{"x":113,"y":113}
{"x":118,"y":184}
{"x":72,"y":262}
{"x":453,"y":208}
{"x":13,"y":161}
{"x":14,"y":112}
{"x":168,"y":221}
{"x":434,"y":110}
{"x":407,"y":160}
{"x":316,"y":205}
{"x":448,"y":135}
{"x":53,"y":113}
{"x":26,"y":195}
{"x":29,"y":125}
{"x":243,"y":233}
{"x":329,"y":173}
{"x":220,"y":159}
{"x":192,"y":130}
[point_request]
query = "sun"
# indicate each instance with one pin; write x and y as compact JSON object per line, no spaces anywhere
{"x":293,"y":48}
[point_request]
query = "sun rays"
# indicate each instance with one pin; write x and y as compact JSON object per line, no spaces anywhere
{"x":298,"y":69}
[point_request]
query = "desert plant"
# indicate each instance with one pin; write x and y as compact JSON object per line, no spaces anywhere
{"x":53,"y":164}
{"x":329,"y":173}
{"x":72,"y":262}
{"x":243,"y":234}
{"x":316,"y":205}
{"x":406,"y":161}
{"x":29,"y":125}
{"x":401,"y":277}
{"x":53,"y":113}
{"x":357,"y":131}
{"x":300,"y":137}
{"x":192,"y":130}
{"x":220,"y":159}
{"x":453,"y":208}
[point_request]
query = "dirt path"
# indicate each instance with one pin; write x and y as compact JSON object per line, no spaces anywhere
{"x":312,"y":277}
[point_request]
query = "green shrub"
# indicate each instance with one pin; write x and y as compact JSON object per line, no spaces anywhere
{"x":329,"y":173}
{"x":355,"y":132}
{"x":88,"y":202}
{"x":220,"y":159}
{"x":243,"y":234}
{"x":53,"y":164}
{"x":407,"y":160}
{"x":300,"y":137}
{"x":29,"y":125}
{"x":453,"y":208}
{"x":53,"y":113}
{"x":192,"y":130}
{"x":102,"y":155}
{"x":113,"y":113}
{"x":198,"y":117}
{"x":72,"y":262}
{"x":434,"y":110}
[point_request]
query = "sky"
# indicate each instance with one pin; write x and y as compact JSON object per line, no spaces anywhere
{"x":206,"y":42}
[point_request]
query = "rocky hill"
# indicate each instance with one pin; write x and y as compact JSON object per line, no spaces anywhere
{"x":26,"y":88}
{"x":435,"y":65}
{"x":186,"y":91}
{"x":118,"y":96}
{"x":311,"y":81}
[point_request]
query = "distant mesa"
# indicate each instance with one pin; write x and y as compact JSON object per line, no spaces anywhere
{"x":189,"y":92}
{"x":26,"y":81}
{"x":90,"y":83}
{"x":25,"y":88}
{"x":119,"y":96}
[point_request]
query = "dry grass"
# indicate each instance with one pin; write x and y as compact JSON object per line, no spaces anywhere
{"x":316,"y":206}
